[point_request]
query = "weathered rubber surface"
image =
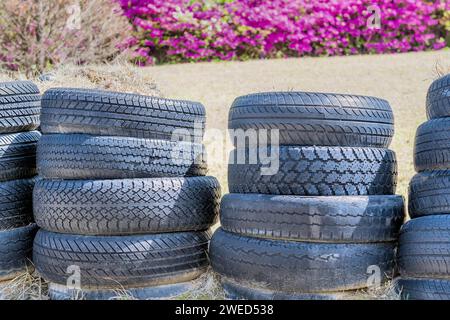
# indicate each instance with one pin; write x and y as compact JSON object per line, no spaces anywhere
{"x":236,"y":291}
{"x":164,"y":292}
{"x":332,"y":219}
{"x":322,"y":119}
{"x":15,"y":250}
{"x":424,"y":248}
{"x":20,"y":106}
{"x":429,"y":193}
{"x":423,"y":289}
{"x":438,"y":98}
{"x":74,"y":156}
{"x":432,"y":145}
{"x":18,"y":155}
{"x":291,"y":266}
{"x":129,"y":206}
{"x":96,"y":112}
{"x":123,"y":261}
{"x":318,"y":171}
{"x":16,"y":208}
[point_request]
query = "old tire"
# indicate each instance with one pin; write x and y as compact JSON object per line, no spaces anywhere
{"x":15,"y":251}
{"x":432,"y":145}
{"x":423,"y":289}
{"x":77,"y":156}
{"x":18,"y":155}
{"x":438,"y":98}
{"x":120,"y":114}
{"x":318,"y":171}
{"x":20,"y":105}
{"x":429,"y":193}
{"x":332,"y":219}
{"x":16,"y":208}
{"x":129,"y":206}
{"x":424,"y":248}
{"x":290,"y":266}
{"x":308,"y":118}
{"x":123,"y":261}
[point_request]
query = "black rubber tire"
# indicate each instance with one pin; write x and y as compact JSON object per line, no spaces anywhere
{"x":291,"y":266}
{"x":73,"y":156}
{"x":358,"y":219}
{"x":129,"y":206}
{"x":236,"y":291}
{"x":96,"y":112}
{"x":423,"y":289}
{"x":16,"y":208}
{"x":123,"y":261}
{"x":424,"y":248}
{"x":15,"y":251}
{"x":319,"y":171}
{"x":322,"y":119}
{"x":429,"y":193}
{"x":438,"y":98}
{"x":18,"y":155}
{"x":432,"y":145}
{"x":20,"y":106}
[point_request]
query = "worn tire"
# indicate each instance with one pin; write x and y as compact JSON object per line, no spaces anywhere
{"x":438,"y":98}
{"x":423,"y":289}
{"x":308,"y":118}
{"x":15,"y":251}
{"x":332,"y":219}
{"x":290,"y":266}
{"x":432,"y":145}
{"x":424,"y":248}
{"x":429,"y":193}
{"x":123,"y":261}
{"x":76,"y":156}
{"x":318,"y":171}
{"x":129,"y":206}
{"x":20,"y":106}
{"x":16,"y":208}
{"x":18,"y":155}
{"x":120,"y":114}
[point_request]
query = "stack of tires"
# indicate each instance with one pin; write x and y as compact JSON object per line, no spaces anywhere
{"x":424,"y":247}
{"x":327,"y":221}
{"x":122,"y":207}
{"x":19,"y":116}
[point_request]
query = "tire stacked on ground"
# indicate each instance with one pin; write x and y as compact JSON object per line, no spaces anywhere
{"x":325,"y":221}
{"x":19,"y":118}
{"x":424,"y":247}
{"x":121,"y":206}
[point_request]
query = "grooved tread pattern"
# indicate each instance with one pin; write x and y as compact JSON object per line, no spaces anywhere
{"x":124,"y":261}
{"x":16,"y":203}
{"x":95,"y":112}
{"x":438,"y":98}
{"x":423,"y":289}
{"x":128,"y":206}
{"x":318,"y":171}
{"x":307,"y":118}
{"x":78,"y":156}
{"x":290,"y":266}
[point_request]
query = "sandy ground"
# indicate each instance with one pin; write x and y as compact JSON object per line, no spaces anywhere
{"x":401,"y":79}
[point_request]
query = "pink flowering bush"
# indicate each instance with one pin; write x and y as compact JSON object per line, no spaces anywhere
{"x":204,"y":30}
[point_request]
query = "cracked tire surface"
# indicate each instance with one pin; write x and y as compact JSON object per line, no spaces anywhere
{"x":308,"y":118}
{"x":423,"y":289}
{"x":333,"y":219}
{"x":20,"y":105}
{"x":123,"y":261}
{"x":16,"y":208}
{"x":15,"y":250}
{"x":424,"y":247}
{"x":319,"y":171}
{"x":18,"y":155}
{"x":77,"y":156}
{"x":129,"y":206}
{"x":290,"y":266}
{"x":96,"y":112}
{"x":438,"y":98}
